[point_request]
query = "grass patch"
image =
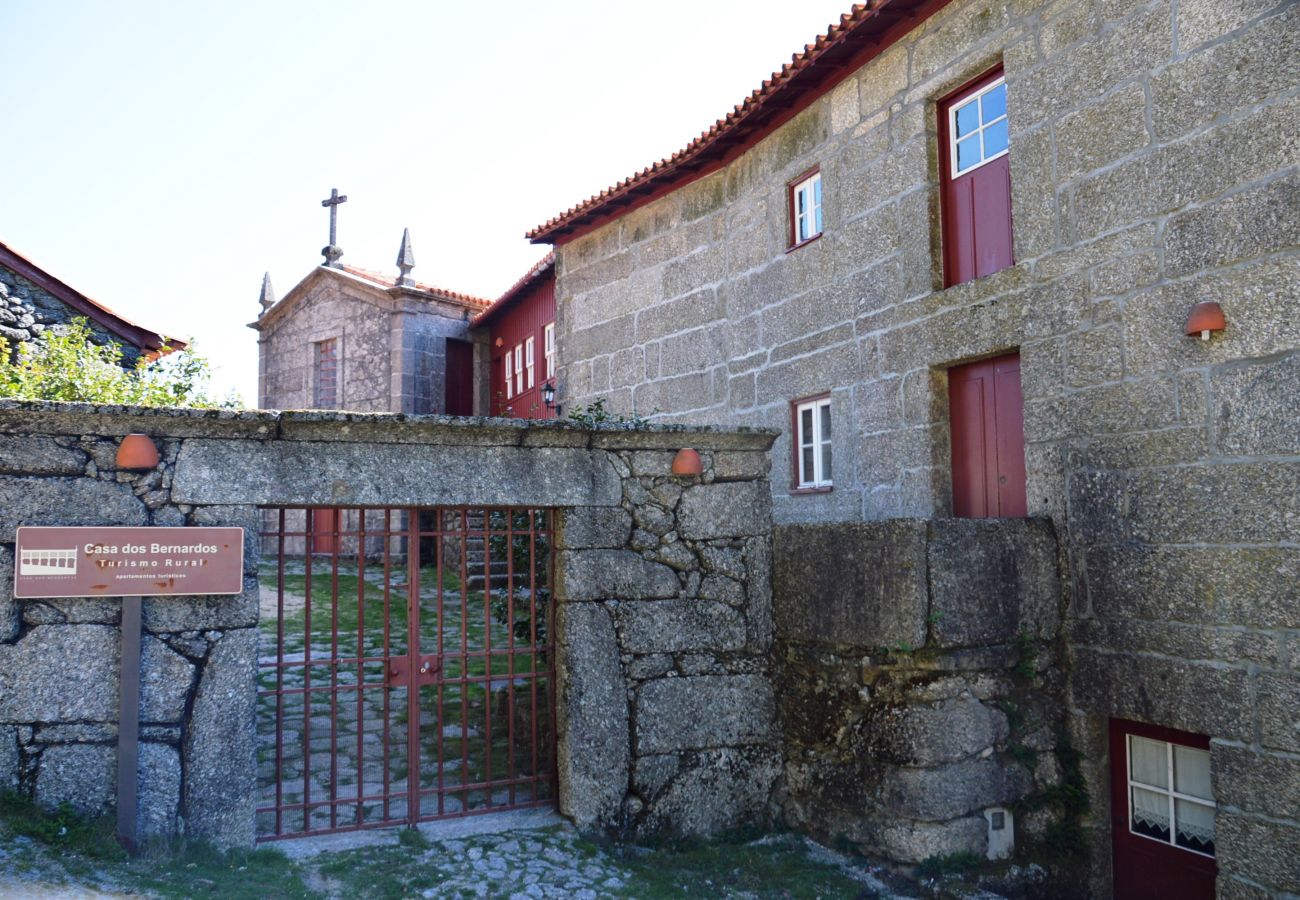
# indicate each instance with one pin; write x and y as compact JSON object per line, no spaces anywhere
{"x":62,"y":829}
{"x":184,"y":869}
{"x":87,"y":850}
{"x":733,"y":865}
{"x":391,"y":873}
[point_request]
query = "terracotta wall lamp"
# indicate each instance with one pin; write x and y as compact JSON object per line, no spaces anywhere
{"x":1204,"y":318}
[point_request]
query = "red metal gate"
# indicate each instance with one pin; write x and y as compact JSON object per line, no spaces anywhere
{"x":408,"y":674}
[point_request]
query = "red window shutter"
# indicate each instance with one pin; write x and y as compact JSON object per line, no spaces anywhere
{"x":988,"y":439}
{"x":976,"y":204}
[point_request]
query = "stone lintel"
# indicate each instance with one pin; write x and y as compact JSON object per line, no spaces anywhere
{"x":46,"y":417}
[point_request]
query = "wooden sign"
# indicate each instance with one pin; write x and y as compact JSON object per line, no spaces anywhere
{"x":127,"y":562}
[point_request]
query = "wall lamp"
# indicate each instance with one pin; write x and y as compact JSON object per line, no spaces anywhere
{"x":137,"y":452}
{"x":1204,"y":318}
{"x":548,"y":396}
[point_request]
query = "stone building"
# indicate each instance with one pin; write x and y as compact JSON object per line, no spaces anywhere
{"x":952,"y":250}
{"x":32,"y":300}
{"x":354,"y":339}
{"x":350,"y":338}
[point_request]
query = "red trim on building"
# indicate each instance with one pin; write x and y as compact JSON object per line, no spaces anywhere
{"x":533,"y":275}
{"x":523,"y":312}
{"x":149,"y":342}
{"x":863,"y":33}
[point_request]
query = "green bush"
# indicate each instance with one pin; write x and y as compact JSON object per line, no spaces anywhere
{"x":66,"y":364}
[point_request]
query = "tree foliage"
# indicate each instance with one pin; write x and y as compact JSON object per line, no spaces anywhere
{"x":65,"y":363}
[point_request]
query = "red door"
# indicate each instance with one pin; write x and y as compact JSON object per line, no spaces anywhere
{"x":324,"y":530}
{"x":975,"y":172}
{"x":1162,"y":813}
{"x":460,"y":378}
{"x":988,"y":439}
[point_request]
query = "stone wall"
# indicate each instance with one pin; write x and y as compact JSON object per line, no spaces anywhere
{"x":26,"y":310}
{"x":920,"y":684}
{"x":667,"y":626}
{"x":1152,"y":157}
{"x":666,"y":706}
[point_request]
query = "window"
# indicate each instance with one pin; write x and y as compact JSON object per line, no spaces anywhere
{"x":1170,"y":795}
{"x":975,"y":175}
{"x":326,"y":395}
{"x":529,"y":361}
{"x":519,"y":368}
{"x":977,"y":127}
{"x":812,"y":444}
{"x":510,"y":374}
{"x":805,"y":208}
{"x":548,"y":347}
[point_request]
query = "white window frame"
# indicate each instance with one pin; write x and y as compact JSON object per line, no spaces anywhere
{"x":529,"y":360}
{"x":962,"y":103}
{"x":816,"y":440}
{"x":510,"y":374}
{"x":548,"y":348}
{"x":519,"y":368}
{"x":806,"y":191}
{"x":1169,"y":792}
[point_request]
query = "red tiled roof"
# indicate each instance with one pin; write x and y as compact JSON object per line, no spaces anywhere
{"x":388,"y":281}
{"x":810,"y":73}
{"x":537,"y":271}
{"x":137,"y":335}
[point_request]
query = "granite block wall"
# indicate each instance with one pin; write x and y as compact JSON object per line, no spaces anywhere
{"x":920,"y":684}
{"x":666,"y":705}
{"x":1153,"y":166}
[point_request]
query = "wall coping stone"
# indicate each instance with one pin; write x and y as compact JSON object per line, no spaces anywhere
{"x":49,"y":417}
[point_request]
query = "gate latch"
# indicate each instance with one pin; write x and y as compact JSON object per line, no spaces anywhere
{"x":427,"y":669}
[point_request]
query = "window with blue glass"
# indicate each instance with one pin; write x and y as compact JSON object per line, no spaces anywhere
{"x":978,"y":128}
{"x":805,"y":208}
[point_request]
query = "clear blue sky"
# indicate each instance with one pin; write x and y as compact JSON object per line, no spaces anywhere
{"x":161,"y":156}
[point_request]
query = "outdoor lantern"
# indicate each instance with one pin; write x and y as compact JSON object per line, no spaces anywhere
{"x":137,"y":451}
{"x":548,"y":394}
{"x":1206,"y":317}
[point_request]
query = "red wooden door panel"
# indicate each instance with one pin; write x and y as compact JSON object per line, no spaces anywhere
{"x":324,"y":527}
{"x":977,"y":223}
{"x":976,"y":204}
{"x":460,"y":378}
{"x":1147,"y":869}
{"x":988,"y":439}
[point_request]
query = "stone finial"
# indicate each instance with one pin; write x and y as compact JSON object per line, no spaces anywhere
{"x":406,"y":260}
{"x":332,"y":255}
{"x":268,"y":294}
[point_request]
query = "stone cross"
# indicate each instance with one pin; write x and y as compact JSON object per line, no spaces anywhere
{"x":332,"y":252}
